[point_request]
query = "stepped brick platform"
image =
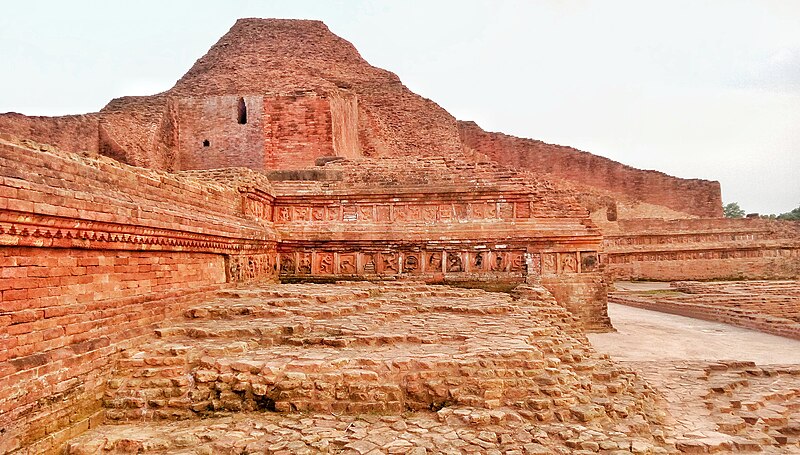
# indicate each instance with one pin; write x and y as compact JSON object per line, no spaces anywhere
{"x":392,"y":367}
{"x":769,"y":306}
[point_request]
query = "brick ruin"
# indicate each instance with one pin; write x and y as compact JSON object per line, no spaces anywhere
{"x":142,"y":245}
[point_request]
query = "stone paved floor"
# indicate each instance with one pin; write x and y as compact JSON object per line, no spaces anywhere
{"x":451,"y":431}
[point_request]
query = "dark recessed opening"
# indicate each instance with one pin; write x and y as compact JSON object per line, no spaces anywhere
{"x":206,"y":143}
{"x":242,"y":112}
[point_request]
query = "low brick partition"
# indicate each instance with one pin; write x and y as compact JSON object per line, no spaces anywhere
{"x":767,"y":306}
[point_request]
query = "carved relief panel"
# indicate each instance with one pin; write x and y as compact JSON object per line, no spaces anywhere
{"x":390,"y":263}
{"x":433,"y":262}
{"x":462,"y":212}
{"x":412,"y":262}
{"x":383,"y":213}
{"x":365,"y":213}
{"x":245,"y":268}
{"x":478,"y":210}
{"x":506,"y":210}
{"x":348,"y":264}
{"x":304,"y":263}
{"x":568,"y":263}
{"x":455,"y":263}
{"x":400,"y":213}
{"x":332,"y":213}
{"x":549,"y":264}
{"x":284,"y":214}
{"x":257,"y":209}
{"x":324,"y":264}
{"x":429,"y":213}
{"x":477,"y":261}
{"x":288,"y":264}
{"x":491,"y":210}
{"x":445,"y":212}
{"x":369,"y":263}
{"x":517,"y":261}
{"x":498,"y":261}
{"x":589,"y":261}
{"x":414,"y":213}
{"x":318,"y":214}
{"x":301,"y":214}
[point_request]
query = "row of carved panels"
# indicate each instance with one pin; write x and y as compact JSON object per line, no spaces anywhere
{"x":252,"y":267}
{"x":625,"y":258}
{"x":417,"y":262}
{"x":685,"y":238}
{"x":387,"y":213}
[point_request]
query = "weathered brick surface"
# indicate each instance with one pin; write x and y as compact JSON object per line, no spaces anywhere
{"x":729,"y":406}
{"x":58,"y":356}
{"x":211,"y":137}
{"x":71,"y":133}
{"x":282,"y":153}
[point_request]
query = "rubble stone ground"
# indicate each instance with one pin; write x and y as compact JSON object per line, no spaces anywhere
{"x":375,"y":368}
{"x":717,"y":406}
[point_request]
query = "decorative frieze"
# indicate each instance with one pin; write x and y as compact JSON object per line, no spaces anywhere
{"x":395,"y":212}
{"x":449,"y":262}
{"x":624,"y":258}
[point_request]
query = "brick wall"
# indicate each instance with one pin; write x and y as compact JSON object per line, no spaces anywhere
{"x":297,"y":130}
{"x":73,"y":133}
{"x":692,"y":196}
{"x":584,"y":295}
{"x":64,"y":313}
{"x":344,"y":124}
{"x":211,"y":137}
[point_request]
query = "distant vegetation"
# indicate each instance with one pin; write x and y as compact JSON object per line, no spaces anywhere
{"x":793,"y":215}
{"x":732,"y":210}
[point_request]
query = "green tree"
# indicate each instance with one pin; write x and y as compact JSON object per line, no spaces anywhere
{"x":793,"y":215}
{"x":732,"y":210}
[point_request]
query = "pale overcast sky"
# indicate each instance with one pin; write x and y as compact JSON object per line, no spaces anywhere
{"x":705,"y":89}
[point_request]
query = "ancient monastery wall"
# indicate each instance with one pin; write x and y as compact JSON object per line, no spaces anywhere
{"x":693,"y":196}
